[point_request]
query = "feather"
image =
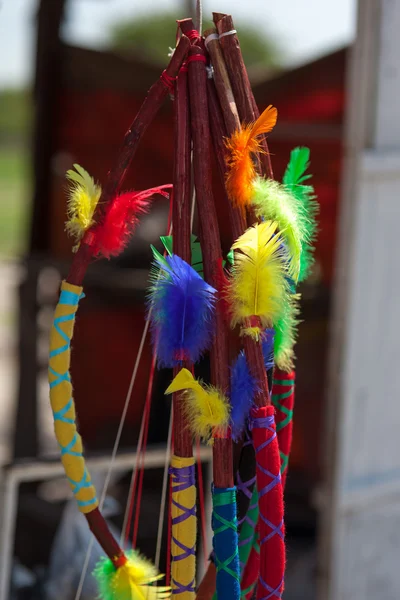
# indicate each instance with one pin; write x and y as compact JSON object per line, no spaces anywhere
{"x":222,"y":284}
{"x":243,"y":389}
{"x":244,"y":386}
{"x":182,"y":311}
{"x":257,"y":285}
{"x":307,"y":206}
{"x":299,"y":162}
{"x":83,"y":196}
{"x":119,"y":220}
{"x":132,"y":581}
{"x":197,"y":257}
{"x":240,"y":166}
{"x":268,"y":338}
{"x":121,"y":216}
{"x":286,"y":333}
{"x":272,"y":201}
{"x":206,"y":409}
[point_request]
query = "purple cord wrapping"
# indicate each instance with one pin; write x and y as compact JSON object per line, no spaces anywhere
{"x":182,"y":479}
{"x":268,"y":423}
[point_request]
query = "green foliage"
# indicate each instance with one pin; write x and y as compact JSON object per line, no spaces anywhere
{"x":15,"y":114}
{"x":14,"y":193}
{"x":151,"y":36}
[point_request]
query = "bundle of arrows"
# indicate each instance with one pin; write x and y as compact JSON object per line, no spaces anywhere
{"x":199,"y":301}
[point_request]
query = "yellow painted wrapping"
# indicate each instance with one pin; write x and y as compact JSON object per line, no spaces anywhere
{"x":62,"y":402}
{"x":183,"y":544}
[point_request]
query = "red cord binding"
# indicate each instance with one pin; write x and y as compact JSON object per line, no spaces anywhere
{"x":193,"y":34}
{"x":196,"y":58}
{"x":167,"y":80}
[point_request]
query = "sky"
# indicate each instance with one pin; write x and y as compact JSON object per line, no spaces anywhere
{"x":303,"y":28}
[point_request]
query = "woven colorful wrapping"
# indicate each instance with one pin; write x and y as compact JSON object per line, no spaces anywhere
{"x":247,"y":503}
{"x":183,"y":545}
{"x":225,"y":543}
{"x":247,"y":530}
{"x":252,"y":569}
{"x":62,"y":402}
{"x":270,"y":502}
{"x":283,"y":401}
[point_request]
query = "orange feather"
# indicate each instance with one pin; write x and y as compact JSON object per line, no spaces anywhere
{"x":241,"y":145}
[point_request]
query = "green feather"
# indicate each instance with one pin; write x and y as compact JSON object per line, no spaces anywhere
{"x":306,"y":205}
{"x":273,"y":202}
{"x":286,"y":333}
{"x":136,"y":580}
{"x":297,"y":166}
{"x":158,"y":257}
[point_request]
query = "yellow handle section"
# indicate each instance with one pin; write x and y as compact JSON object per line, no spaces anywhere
{"x":184,"y":528}
{"x":61,"y":400}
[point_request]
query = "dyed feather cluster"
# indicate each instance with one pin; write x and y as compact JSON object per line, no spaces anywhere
{"x":243,"y":390}
{"x":268,"y":340}
{"x":121,"y":217}
{"x":197,"y":256}
{"x":206,"y":409}
{"x":83,"y":196}
{"x":273,"y":201}
{"x":241,"y":146}
{"x":286,"y":333}
{"x":181,"y":308}
{"x":294,"y":180}
{"x":292,"y":205}
{"x":111,"y":235}
{"x":244,"y":386}
{"x":258,"y":285}
{"x":132,"y":581}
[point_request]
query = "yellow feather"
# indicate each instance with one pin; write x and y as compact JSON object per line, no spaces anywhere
{"x":132,"y":581}
{"x":206,"y":409}
{"x":253,"y":332}
{"x":83,"y":197}
{"x":258,"y":284}
{"x":184,"y":380}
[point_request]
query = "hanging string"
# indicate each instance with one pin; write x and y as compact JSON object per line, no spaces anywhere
{"x":143,"y":453}
{"x":126,"y":524}
{"x":113,"y":455}
{"x":199,"y":16}
{"x":139,"y":454}
{"x":144,"y":426}
{"x":164,"y":488}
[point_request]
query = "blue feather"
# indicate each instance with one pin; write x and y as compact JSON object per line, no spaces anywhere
{"x":244,"y":386}
{"x":243,"y":389}
{"x":182,"y":311}
{"x":268,"y":348}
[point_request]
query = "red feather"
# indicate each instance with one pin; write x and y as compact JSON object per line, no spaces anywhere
{"x":222,"y":284}
{"x":111,"y":236}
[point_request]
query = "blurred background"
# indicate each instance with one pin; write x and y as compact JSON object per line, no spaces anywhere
{"x":73,"y":73}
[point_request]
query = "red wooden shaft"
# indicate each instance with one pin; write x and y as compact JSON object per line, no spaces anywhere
{"x":181,"y":230}
{"x":211,"y":247}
